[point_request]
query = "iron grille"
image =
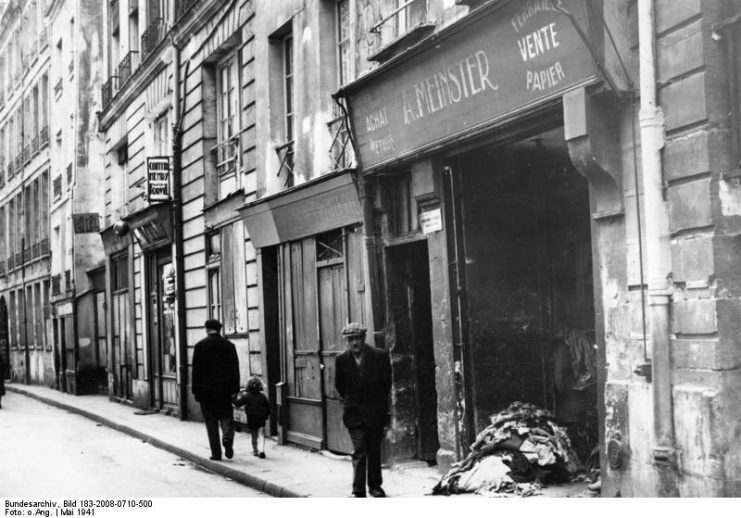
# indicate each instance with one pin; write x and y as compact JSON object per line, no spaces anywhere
{"x":108,"y":90}
{"x":127,"y":66}
{"x":152,"y":37}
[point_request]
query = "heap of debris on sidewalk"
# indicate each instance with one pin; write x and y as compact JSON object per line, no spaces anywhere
{"x":522,"y":449}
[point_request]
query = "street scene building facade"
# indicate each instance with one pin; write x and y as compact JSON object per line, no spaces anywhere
{"x":522,"y":200}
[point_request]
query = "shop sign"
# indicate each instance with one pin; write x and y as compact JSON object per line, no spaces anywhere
{"x":431,"y":221}
{"x":159,"y":169}
{"x":86,"y":222}
{"x":512,"y":58}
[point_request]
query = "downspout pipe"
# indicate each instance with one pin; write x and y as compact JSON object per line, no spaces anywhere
{"x":177,"y":219}
{"x":658,"y":255}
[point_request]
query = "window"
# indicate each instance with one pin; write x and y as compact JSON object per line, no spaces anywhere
{"x":38,"y":315}
{"x":47,"y":312}
{"x":288,"y":85}
{"x":344,"y":55}
{"x":227,"y":278}
{"x":228,"y":110}
{"x":213,"y":263}
{"x":12,"y":322}
{"x":162,"y":136}
{"x":286,"y":150}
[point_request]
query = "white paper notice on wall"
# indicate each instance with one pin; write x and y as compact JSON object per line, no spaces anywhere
{"x":431,"y":221}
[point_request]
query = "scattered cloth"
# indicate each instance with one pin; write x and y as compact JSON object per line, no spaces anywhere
{"x":521,"y":449}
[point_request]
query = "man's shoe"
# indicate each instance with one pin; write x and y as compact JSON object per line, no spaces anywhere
{"x":357,"y":495}
{"x":228,"y":449}
{"x":262,"y":455}
{"x":215,"y":458}
{"x":377,"y":492}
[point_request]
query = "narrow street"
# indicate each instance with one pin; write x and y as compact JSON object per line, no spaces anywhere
{"x":48,"y":452}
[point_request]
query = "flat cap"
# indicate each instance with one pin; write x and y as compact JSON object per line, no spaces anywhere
{"x":212,"y":323}
{"x":354,"y":328}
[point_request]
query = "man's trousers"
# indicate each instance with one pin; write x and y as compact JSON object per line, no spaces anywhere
{"x":366,"y":457}
{"x":213,"y":420}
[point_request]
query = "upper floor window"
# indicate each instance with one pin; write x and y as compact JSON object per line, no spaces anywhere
{"x":161,"y":127}
{"x":344,"y":54}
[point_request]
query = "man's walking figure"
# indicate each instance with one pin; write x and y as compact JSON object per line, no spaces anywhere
{"x":363,"y":380}
{"x":215,"y":379}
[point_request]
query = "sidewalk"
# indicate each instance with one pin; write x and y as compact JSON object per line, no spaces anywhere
{"x":286,"y":472}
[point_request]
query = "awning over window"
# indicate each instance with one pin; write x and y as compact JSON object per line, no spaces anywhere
{"x":311,"y":208}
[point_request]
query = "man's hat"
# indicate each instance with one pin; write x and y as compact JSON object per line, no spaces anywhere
{"x":354,"y":329}
{"x":212,"y":323}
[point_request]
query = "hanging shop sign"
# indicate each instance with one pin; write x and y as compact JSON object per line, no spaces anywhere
{"x":86,"y":222}
{"x":159,"y":171}
{"x":469,"y":77}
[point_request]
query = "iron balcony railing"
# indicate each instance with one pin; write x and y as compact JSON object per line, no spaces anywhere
{"x":19,"y":161}
{"x":127,"y":66}
{"x":26,"y":153}
{"x":11,"y":169}
{"x":108,"y":90}
{"x":35,"y":146}
{"x":44,"y":246}
{"x":2,"y":176}
{"x":11,"y":262}
{"x":285,"y":154}
{"x":152,"y":37}
{"x":44,"y":137}
{"x":35,"y":249}
{"x":19,"y":258}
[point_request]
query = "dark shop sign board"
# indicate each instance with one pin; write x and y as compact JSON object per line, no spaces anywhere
{"x":86,"y":222}
{"x":473,"y":75}
{"x":159,"y":171}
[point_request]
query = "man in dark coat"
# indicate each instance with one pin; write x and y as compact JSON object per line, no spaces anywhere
{"x":215,"y":379}
{"x":363,"y":380}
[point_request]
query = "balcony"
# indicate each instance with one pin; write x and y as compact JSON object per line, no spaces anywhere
{"x":11,"y":169}
{"x":11,"y":263}
{"x":401,"y":28}
{"x":26,"y":154}
{"x":285,"y":154}
{"x":108,"y":90}
{"x":35,"y":146}
{"x":44,"y":247}
{"x":35,"y":251}
{"x":18,"y":259}
{"x":19,"y":162}
{"x":44,"y":137}
{"x":127,"y":66}
{"x":152,"y":37}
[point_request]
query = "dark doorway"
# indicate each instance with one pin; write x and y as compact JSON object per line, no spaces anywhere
{"x":409,"y":289}
{"x":162,"y":346}
{"x":271,"y":309}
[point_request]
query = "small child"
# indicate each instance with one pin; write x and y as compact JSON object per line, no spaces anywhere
{"x":257,"y":407}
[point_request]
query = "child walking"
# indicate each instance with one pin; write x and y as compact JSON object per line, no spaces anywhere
{"x":257,"y":408}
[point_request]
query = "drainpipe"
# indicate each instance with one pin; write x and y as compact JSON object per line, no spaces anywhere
{"x":177,"y":220}
{"x":658,"y":257}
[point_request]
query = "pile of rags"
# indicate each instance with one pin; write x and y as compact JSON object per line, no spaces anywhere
{"x":521,"y":449}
